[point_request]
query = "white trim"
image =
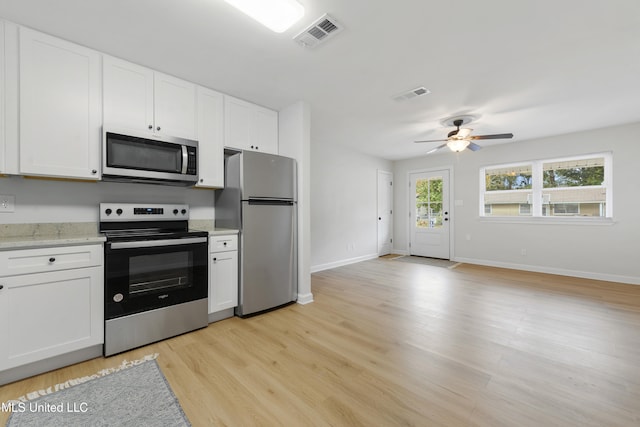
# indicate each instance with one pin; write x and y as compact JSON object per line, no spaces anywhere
{"x":555,"y":220}
{"x":335,"y":264}
{"x":632,"y":280}
{"x":304,"y":299}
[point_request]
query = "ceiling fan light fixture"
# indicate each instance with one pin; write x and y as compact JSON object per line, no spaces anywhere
{"x":277,"y":15}
{"x":457,"y":145}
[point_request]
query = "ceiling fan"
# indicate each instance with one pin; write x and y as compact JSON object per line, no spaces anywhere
{"x":459,"y":139}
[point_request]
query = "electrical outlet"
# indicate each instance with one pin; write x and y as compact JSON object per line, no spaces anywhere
{"x":7,"y":203}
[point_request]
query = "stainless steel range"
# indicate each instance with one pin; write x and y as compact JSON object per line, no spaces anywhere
{"x":156,"y":274}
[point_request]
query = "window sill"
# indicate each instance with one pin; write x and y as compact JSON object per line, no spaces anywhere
{"x":548,"y":220}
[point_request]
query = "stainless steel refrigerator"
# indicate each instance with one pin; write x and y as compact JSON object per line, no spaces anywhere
{"x":259,"y":199}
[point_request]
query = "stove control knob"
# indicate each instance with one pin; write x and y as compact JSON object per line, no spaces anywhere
{"x":119,"y":211}
{"x":184,"y":211}
{"x":175,"y":211}
{"x":108,"y":211}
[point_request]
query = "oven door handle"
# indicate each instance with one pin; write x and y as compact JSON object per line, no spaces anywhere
{"x":156,"y":243}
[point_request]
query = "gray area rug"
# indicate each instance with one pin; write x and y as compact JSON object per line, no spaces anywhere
{"x":136,"y":396}
{"x":436,"y":262}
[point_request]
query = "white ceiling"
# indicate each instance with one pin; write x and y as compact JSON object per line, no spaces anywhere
{"x":534,"y":68}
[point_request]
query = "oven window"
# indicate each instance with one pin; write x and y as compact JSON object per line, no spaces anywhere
{"x":159,"y":273}
{"x":144,"y":155}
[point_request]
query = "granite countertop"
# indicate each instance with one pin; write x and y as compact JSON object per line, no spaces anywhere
{"x":207,"y":225}
{"x":25,"y":236}
{"x":28,"y":236}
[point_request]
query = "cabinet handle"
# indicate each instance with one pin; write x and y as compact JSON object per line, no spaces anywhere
{"x":256,"y":147}
{"x":52,"y":260}
{"x":1,"y":287}
{"x":150,"y":127}
{"x":94,"y":171}
{"x":252,"y":146}
{"x":201,"y":180}
{"x":224,"y":243}
{"x":158,"y":128}
{"x":215,"y":259}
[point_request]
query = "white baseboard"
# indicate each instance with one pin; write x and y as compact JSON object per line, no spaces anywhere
{"x":553,"y":270}
{"x":330,"y":265}
{"x":305,"y":298}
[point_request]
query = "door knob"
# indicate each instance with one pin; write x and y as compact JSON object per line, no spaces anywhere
{"x":379,"y":218}
{"x":446,"y":219}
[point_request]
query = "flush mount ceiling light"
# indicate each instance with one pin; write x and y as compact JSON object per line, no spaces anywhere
{"x":277,"y":15}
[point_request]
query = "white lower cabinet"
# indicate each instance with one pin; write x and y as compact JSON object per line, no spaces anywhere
{"x":223,"y":280}
{"x":56,"y":310}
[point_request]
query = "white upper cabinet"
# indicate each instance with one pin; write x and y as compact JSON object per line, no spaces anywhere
{"x":128,"y":95}
{"x":8,"y":98}
{"x":210,"y":138}
{"x":3,"y":155}
{"x":250,"y":127}
{"x":60,"y":107}
{"x":175,"y":102}
{"x":141,"y":99}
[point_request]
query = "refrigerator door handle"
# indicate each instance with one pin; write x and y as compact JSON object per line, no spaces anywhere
{"x":271,"y":202}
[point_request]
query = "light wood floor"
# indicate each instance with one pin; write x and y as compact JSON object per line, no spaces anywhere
{"x":390,"y":343}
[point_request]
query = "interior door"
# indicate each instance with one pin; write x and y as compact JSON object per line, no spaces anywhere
{"x":385,"y":212}
{"x":429,"y":214}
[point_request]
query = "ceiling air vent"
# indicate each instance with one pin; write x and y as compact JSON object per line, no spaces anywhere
{"x":419,"y":91}
{"x":320,"y":31}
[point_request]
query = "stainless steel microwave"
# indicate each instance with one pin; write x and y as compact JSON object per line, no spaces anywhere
{"x":138,"y":157}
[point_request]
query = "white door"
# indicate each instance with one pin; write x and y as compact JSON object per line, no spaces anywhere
{"x":429,"y":214}
{"x":385,"y":212}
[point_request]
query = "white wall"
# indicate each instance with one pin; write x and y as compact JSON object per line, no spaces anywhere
{"x":39,"y":200}
{"x":343,"y":205}
{"x":294,"y":127}
{"x":596,"y":251}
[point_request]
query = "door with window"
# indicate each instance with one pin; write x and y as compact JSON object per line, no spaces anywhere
{"x":429,"y":214}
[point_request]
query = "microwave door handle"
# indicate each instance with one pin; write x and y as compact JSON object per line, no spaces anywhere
{"x":185,"y":159}
{"x":156,"y":243}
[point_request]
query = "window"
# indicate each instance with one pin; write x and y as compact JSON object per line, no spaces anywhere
{"x":507,"y":189}
{"x":568,"y":187}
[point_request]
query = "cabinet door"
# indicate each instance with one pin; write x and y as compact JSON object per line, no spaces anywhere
{"x":48,"y":314}
{"x":128,"y":95}
{"x":210,"y":139}
{"x":3,"y":155}
{"x":60,"y":107}
{"x":223,"y":286}
{"x":266,"y":130}
{"x":175,"y":106}
{"x":237,"y":123}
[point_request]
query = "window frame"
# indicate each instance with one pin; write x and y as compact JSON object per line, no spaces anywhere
{"x":537,"y":190}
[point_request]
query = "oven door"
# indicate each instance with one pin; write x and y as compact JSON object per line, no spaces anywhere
{"x":148,"y":274}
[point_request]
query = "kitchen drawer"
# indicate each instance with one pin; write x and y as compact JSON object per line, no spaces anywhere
{"x":27,"y":261}
{"x":223,"y":243}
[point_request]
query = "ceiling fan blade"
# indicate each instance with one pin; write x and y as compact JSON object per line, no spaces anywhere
{"x":431,"y":140}
{"x":496,"y":136}
{"x":473,"y":147}
{"x":433,"y":150}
